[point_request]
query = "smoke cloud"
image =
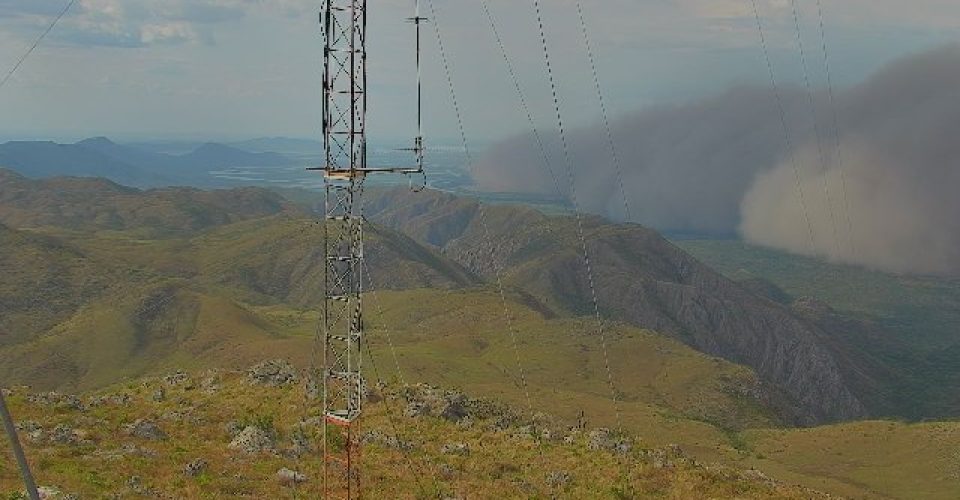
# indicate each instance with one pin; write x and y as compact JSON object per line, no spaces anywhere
{"x":887,"y":198}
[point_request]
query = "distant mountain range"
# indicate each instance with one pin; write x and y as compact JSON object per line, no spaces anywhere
{"x":130,"y":165}
{"x":284,"y":145}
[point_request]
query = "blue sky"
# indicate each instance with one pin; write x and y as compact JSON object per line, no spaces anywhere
{"x":218,"y":69}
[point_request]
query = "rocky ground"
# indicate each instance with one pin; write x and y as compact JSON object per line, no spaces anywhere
{"x":256,"y":434}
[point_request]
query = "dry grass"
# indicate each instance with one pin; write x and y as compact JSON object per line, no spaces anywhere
{"x":501,"y":463}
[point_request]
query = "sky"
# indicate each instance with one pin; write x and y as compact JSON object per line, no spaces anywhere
{"x":231,"y":69}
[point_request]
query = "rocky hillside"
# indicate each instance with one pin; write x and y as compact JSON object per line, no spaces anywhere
{"x":225,"y":434}
{"x":642,"y":279}
{"x":903,"y":327}
{"x":250,"y":246}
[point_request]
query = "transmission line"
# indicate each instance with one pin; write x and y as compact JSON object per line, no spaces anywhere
{"x":392,"y":420}
{"x":482,"y":217}
{"x":36,"y":43}
{"x":8,"y":422}
{"x":836,"y":129}
{"x":816,"y":122}
{"x":788,"y":142}
{"x":386,"y":326}
{"x":611,"y":143}
{"x":538,"y":137}
{"x":579,"y":215}
{"x":547,"y":164}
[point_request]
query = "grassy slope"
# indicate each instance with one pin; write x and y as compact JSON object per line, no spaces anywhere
{"x":440,"y":337}
{"x":190,"y":308}
{"x":449,"y":339}
{"x":460,"y":339}
{"x":920,"y":317}
{"x":565,"y":374}
{"x":899,"y":460}
{"x":60,"y":279}
{"x":457,"y":338}
{"x":501,"y":464}
{"x":86,"y":309}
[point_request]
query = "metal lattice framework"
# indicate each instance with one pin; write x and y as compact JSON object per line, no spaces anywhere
{"x":344,"y":25}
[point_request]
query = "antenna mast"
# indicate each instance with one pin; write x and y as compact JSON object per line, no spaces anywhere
{"x":344,"y":29}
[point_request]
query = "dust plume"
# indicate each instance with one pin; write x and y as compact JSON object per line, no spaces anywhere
{"x":888,"y":198}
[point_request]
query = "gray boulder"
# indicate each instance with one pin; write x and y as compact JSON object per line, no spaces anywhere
{"x":195,"y":468}
{"x":144,"y":429}
{"x":252,"y":439}
{"x":289,"y":477}
{"x":273,"y":373}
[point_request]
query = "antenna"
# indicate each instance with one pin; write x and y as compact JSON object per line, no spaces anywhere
{"x":345,"y":169}
{"x":417,"y":21}
{"x":418,"y":150}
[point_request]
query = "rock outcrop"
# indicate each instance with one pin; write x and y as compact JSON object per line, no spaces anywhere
{"x":252,"y":440}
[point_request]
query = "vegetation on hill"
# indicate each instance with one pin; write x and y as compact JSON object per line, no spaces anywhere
{"x":230,"y":278}
{"x":83,"y":204}
{"x":639,"y":278}
{"x":223,"y":434}
{"x":906,"y":324}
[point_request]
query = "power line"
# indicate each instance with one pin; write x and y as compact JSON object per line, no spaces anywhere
{"x":611,"y":143}
{"x":783,"y":122}
{"x":538,"y":138}
{"x":482,"y":217}
{"x":8,"y":423}
{"x":449,"y":76}
{"x":392,"y":420}
{"x":836,"y":129}
{"x":579,"y":215}
{"x":547,"y":164}
{"x":386,"y":327}
{"x":816,"y":122}
{"x":36,"y":43}
{"x":506,"y":314}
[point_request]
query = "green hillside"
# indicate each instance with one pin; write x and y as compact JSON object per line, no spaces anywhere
{"x":641,"y":279}
{"x":97,"y":305}
{"x":907,"y":323}
{"x":93,"y":204}
{"x":44,"y":281}
{"x":87,"y":309}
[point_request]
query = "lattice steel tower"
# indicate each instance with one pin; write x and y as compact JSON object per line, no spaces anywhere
{"x":344,"y":29}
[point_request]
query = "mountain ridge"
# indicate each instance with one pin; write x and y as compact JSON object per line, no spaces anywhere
{"x":129,"y":165}
{"x":662,"y":288}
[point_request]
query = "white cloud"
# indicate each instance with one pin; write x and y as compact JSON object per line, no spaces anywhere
{"x":648,"y":51}
{"x":129,"y":23}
